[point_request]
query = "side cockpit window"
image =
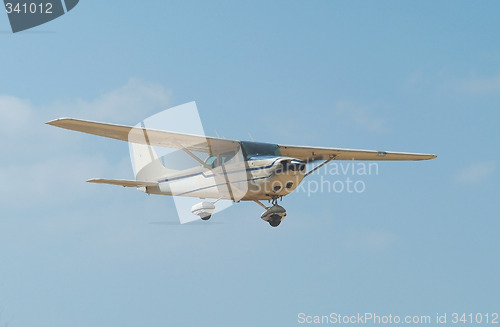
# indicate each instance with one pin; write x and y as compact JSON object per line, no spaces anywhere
{"x":212,"y":161}
{"x":223,"y":159}
{"x":227,"y":158}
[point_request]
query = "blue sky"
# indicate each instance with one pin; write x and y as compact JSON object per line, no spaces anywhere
{"x":404,"y":76}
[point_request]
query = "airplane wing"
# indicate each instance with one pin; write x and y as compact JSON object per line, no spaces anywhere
{"x":319,"y":153}
{"x":148,"y":136}
{"x":213,"y":145}
{"x":122,"y":182}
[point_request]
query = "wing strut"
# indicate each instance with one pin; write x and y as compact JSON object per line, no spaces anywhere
{"x":319,"y":166}
{"x":261,"y":204}
{"x":192,"y":155}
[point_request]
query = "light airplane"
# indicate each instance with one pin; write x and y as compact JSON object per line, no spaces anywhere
{"x":233,"y":170}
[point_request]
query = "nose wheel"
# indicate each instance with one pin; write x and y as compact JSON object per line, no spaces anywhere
{"x":274,"y":214}
{"x":275,"y":221}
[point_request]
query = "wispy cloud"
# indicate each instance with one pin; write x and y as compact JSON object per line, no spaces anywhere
{"x":39,"y":165}
{"x":360,"y":116}
{"x":475,"y":172}
{"x":129,"y":103}
{"x":15,"y":113}
{"x":476,"y":85}
{"x":447,"y":80}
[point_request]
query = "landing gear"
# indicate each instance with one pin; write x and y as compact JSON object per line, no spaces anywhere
{"x":274,"y":214}
{"x":204,"y":209}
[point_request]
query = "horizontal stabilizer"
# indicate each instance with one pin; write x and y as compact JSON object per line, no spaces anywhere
{"x":122,"y":182}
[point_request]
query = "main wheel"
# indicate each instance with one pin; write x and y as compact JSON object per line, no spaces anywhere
{"x":275,"y":220}
{"x":206,"y":217}
{"x":274,"y":223}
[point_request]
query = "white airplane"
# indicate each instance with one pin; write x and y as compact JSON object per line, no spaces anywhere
{"x":233,"y":170}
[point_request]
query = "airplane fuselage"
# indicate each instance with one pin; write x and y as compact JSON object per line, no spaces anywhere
{"x":259,"y":178}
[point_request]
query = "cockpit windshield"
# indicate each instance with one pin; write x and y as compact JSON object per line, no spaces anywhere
{"x":252,"y":149}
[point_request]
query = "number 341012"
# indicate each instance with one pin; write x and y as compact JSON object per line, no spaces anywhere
{"x":29,"y":8}
{"x":471,"y":318}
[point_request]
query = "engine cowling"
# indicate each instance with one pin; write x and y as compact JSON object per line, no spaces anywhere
{"x":291,"y":166}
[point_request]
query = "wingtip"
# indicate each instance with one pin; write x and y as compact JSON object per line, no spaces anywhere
{"x":54,"y":121}
{"x":427,"y":157}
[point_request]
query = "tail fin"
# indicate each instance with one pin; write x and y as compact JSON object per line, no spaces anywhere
{"x":145,"y":161}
